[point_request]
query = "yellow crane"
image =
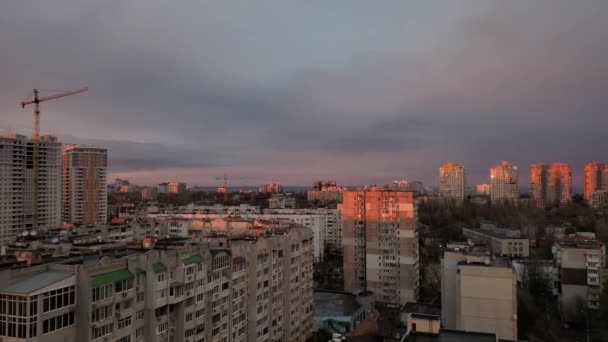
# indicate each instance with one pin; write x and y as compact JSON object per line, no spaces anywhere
{"x":36,"y":100}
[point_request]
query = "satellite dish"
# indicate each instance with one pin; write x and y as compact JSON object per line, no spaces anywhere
{"x":55,"y":240}
{"x":33,"y":233}
{"x":25,"y":233}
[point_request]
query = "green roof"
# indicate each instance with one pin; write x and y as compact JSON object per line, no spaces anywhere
{"x":193,"y":259}
{"x":158,"y":267}
{"x":111,"y":277}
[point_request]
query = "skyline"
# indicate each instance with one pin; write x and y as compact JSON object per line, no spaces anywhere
{"x":349,"y":91}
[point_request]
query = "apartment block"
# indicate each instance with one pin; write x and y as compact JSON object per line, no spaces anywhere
{"x":85,"y":192}
{"x":271,"y":188}
{"x":598,"y":199}
{"x":252,"y":287}
{"x":503,"y":183}
{"x":501,"y":241}
{"x":380,"y":244}
{"x":478,"y":293}
{"x":551,"y":184}
{"x":17,"y":205}
{"x":580,"y":262}
{"x":149,"y":194}
{"x":452,"y":182}
{"x":595,"y":177}
{"x":175,"y":187}
{"x":281,"y":201}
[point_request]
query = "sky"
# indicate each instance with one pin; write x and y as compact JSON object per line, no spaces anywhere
{"x":363,"y":92}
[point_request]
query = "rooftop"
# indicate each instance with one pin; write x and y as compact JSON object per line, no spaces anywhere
{"x":446,"y":335}
{"x":330,"y":303}
{"x":36,"y":282}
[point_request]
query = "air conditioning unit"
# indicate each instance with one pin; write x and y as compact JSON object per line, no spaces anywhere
{"x":124,"y":295}
{"x":188,"y":293}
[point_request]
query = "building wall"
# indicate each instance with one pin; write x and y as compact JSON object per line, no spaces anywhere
{"x":595,"y":177}
{"x":551,"y":184}
{"x":85,"y":194}
{"x":380,"y":244}
{"x":17,"y":185}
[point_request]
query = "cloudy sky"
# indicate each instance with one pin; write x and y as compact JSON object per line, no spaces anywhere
{"x":276,"y":90}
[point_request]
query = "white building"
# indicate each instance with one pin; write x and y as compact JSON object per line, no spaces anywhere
{"x":17,"y":184}
{"x":503,"y":183}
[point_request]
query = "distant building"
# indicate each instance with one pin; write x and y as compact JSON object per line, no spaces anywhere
{"x":595,"y":177}
{"x":483,"y":189}
{"x":271,"y":188}
{"x":281,"y":201}
{"x":503,"y":183}
{"x":580,"y":262}
{"x":149,"y":193}
{"x":175,"y":187}
{"x":163,"y":188}
{"x":551,"y":184}
{"x":85,"y":194}
{"x":325,"y":192}
{"x":501,"y":241}
{"x":452,"y":182}
{"x":416,"y":187}
{"x":380,"y":243}
{"x":323,"y":185}
{"x":478,"y":294}
{"x":17,"y":184}
{"x":598,"y":199}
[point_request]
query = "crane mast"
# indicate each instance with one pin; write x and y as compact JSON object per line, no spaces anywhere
{"x":36,"y":100}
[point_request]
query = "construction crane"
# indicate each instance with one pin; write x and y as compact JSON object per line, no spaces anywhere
{"x":36,"y":100}
{"x":224,"y":188}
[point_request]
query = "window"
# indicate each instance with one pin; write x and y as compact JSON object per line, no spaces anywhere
{"x":199,"y":313}
{"x":101,"y":292}
{"x":162,"y":328}
{"x":189,"y":317}
{"x":140,"y":315}
{"x":125,"y":339}
{"x":190,"y":270}
{"x":101,"y":331}
{"x":125,"y":322}
{"x":162,"y":277}
{"x":57,"y":322}
{"x":58,"y":299}
{"x":121,"y":286}
{"x":101,"y":313}
{"x":199,"y":297}
{"x":140,"y":297}
{"x":189,"y":333}
{"x":139,"y":332}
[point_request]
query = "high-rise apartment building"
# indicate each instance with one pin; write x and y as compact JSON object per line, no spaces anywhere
{"x":551,"y":184}
{"x":595,"y":177}
{"x":483,"y":189}
{"x":503,"y":183}
{"x":246,"y":288}
{"x":17,"y":185}
{"x":85,"y":193}
{"x":175,"y":187}
{"x":380,"y":244}
{"x":452,"y":181}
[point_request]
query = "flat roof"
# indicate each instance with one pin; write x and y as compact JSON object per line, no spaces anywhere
{"x":452,"y":336}
{"x":328,"y":303}
{"x":36,"y":282}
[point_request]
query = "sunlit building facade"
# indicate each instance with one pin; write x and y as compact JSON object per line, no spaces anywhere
{"x":380,"y":244}
{"x":551,"y":184}
{"x":595,"y":177}
{"x":85,"y":194}
{"x":503,"y":183}
{"x":452,"y":181}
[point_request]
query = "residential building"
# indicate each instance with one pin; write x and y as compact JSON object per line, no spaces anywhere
{"x":452,"y":182}
{"x":163,"y":188}
{"x":175,"y":187}
{"x":281,"y":201}
{"x":85,"y":194}
{"x":149,"y":194}
{"x":237,"y":210}
{"x":483,"y":189}
{"x":503,"y":183}
{"x":580,"y":262}
{"x":254,"y":287}
{"x":271,"y":188}
{"x":18,"y":208}
{"x":595,"y":177}
{"x":501,"y":241}
{"x":551,"y":184}
{"x":478,"y":293}
{"x":323,"y":185}
{"x":325,"y":191}
{"x":380,"y":244}
{"x":416,"y":187}
{"x":598,"y":199}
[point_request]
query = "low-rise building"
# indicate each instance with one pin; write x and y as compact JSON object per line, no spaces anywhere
{"x":501,"y":241}
{"x":281,"y":201}
{"x":341,"y":312}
